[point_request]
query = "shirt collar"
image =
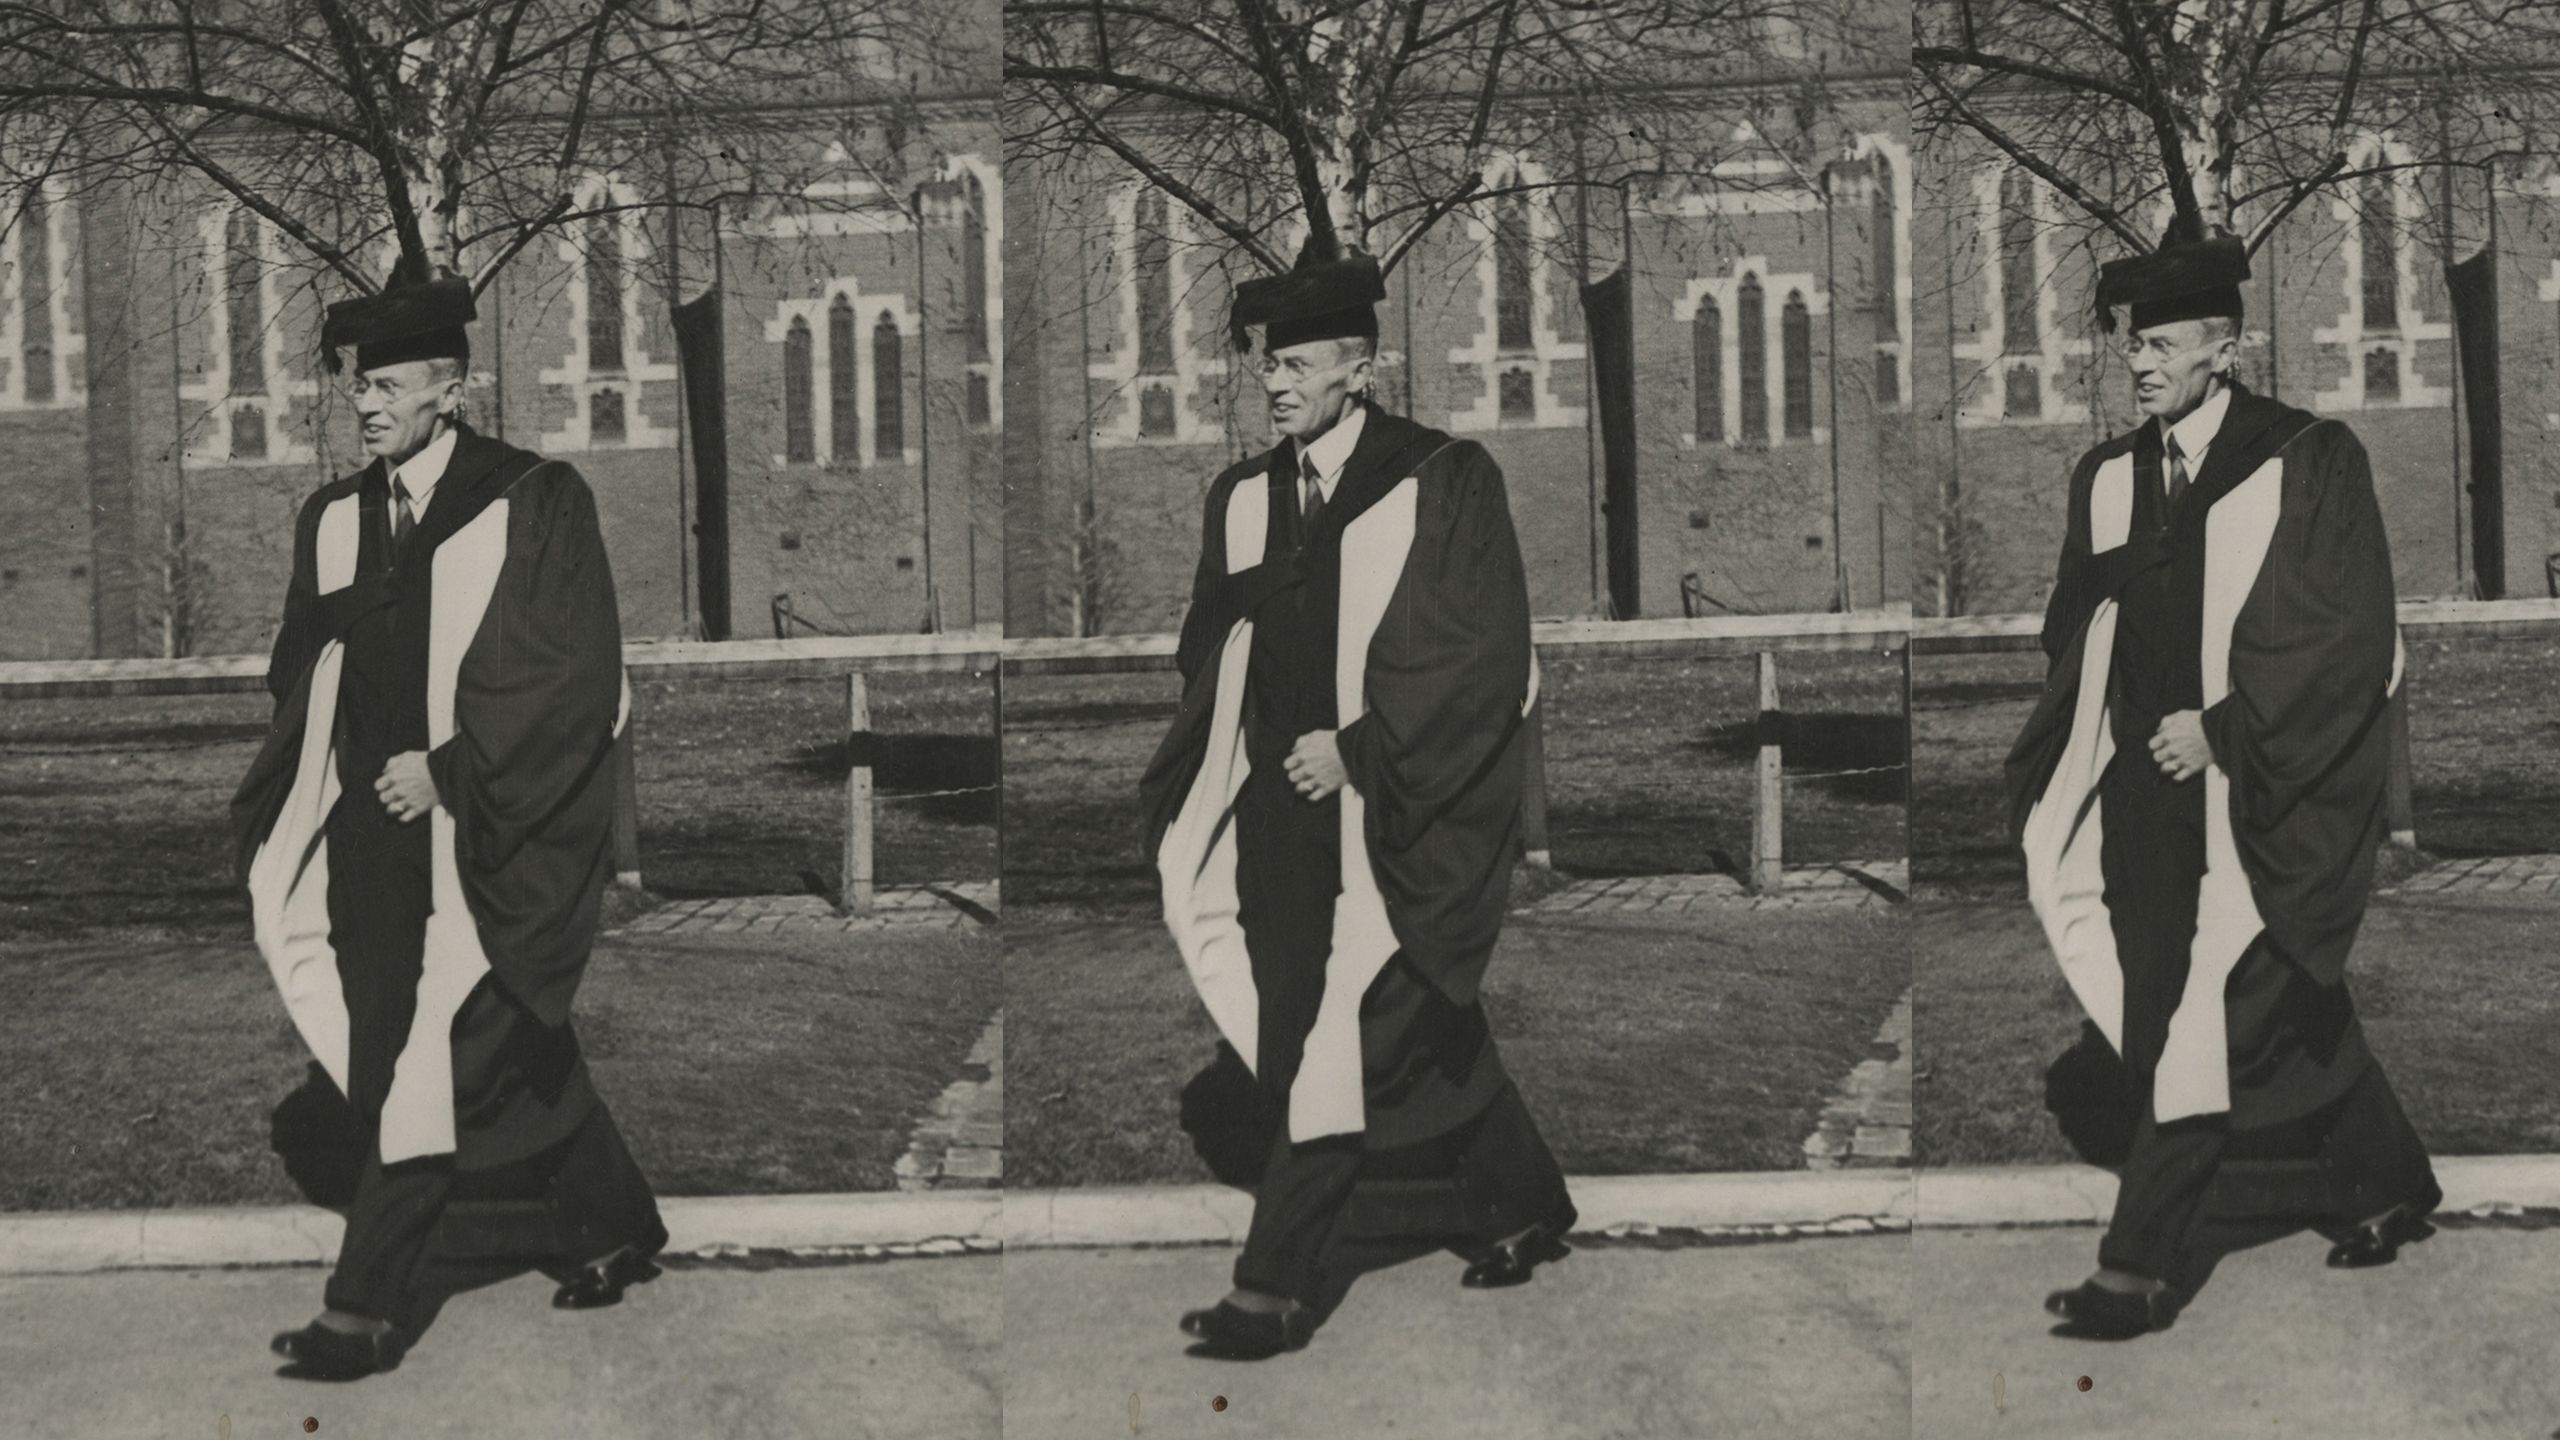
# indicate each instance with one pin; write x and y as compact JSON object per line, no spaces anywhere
{"x":419,"y":473}
{"x":2196,"y":431}
{"x":1330,"y":451}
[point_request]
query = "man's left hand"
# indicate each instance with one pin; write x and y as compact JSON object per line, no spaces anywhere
{"x":407,"y":788}
{"x":2179,"y":747}
{"x":1315,"y":765}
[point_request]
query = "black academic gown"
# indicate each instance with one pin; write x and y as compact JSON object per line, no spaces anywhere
{"x":1438,"y":756}
{"x":2300,"y":734}
{"x":525,"y":777}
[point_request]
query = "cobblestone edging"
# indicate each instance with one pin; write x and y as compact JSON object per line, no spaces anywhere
{"x":959,"y":1145}
{"x":1868,"y":1123}
{"x":743,"y":1257}
{"x":2522,"y":876}
{"x":1849,"y":884}
{"x":957,"y":905}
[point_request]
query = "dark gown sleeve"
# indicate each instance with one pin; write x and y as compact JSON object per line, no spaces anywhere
{"x":2074,"y":593}
{"x":298,"y":637}
{"x":1444,"y":693}
{"x":2301,"y":734}
{"x":526,"y":774}
{"x":1438,"y":755}
{"x":1204,"y":623}
{"x":2309,"y":667}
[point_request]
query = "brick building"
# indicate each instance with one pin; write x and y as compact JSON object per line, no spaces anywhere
{"x":1769,"y":329}
{"x":163,"y":412}
{"x":2350,"y":314}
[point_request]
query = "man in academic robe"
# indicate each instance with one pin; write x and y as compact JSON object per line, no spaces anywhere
{"x":1335,"y":814}
{"x":426,"y":833}
{"x":2200,"y":791}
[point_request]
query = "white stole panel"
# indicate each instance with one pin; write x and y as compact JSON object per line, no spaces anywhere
{"x":289,"y":875}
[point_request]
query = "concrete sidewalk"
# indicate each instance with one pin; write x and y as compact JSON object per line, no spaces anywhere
{"x":1762,"y":1204}
{"x":890,"y":1351}
{"x":1615,"y":1343}
{"x":56,"y":1243}
{"x":2456,"y":1339}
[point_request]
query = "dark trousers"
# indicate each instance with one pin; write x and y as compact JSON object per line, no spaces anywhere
{"x":2297,"y":1055}
{"x":523,"y":1104}
{"x":597,"y":1196}
{"x":2372,"y":1157}
{"x":1303,"y":1246}
{"x":1437,"y":1096}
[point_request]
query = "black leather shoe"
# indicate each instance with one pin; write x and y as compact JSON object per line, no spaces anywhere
{"x":2379,"y":1243}
{"x":1512,"y":1262}
{"x":2094,"y":1312}
{"x":1231,"y":1332}
{"x":321,"y":1353}
{"x":602,"y":1283}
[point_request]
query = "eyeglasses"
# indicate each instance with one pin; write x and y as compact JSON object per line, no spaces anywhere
{"x":357,"y":387}
{"x":2158,"y":350}
{"x":1299,"y":367}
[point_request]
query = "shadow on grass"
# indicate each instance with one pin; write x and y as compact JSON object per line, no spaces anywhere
{"x":1712,"y":1044}
{"x":918,"y":771}
{"x":2466,"y":1033}
{"x":1823,"y":741}
{"x":162,"y":1065}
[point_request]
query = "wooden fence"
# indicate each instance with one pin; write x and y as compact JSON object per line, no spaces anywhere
{"x":2419,"y":619}
{"x":854,"y":659}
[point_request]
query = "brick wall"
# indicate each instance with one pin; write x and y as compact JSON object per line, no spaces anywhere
{"x":1753,"y":521}
{"x":1991,"y":547}
{"x":845,"y":538}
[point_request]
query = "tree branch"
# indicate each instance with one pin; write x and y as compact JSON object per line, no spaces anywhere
{"x":1972,"y":59}
{"x":1191,"y":199}
{"x":2042,"y":169}
{"x":1015,"y":69}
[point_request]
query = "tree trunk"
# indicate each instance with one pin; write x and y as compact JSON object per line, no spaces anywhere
{"x":2202,"y":90}
{"x":1342,"y":89}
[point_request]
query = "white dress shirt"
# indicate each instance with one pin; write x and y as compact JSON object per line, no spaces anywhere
{"x":419,"y":473}
{"x":2195,"y":432}
{"x":1330,"y":451}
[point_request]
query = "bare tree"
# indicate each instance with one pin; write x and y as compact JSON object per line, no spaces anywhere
{"x":1364,"y":126}
{"x":2221,"y":106}
{"x":452,"y":134}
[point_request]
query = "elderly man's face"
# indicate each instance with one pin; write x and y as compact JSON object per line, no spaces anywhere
{"x":397,"y":405}
{"x":1310,"y":384}
{"x":2174,"y":364}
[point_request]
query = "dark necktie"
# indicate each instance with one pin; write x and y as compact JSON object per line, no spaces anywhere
{"x":2177,"y":468}
{"x":1310,"y":498}
{"x":403,"y":519}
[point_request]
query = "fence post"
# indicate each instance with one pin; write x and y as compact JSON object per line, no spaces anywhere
{"x":855,"y":889}
{"x":2398,"y":788}
{"x":996,"y":721}
{"x":626,"y":809}
{"x":1768,"y":865}
{"x":1534,"y":844}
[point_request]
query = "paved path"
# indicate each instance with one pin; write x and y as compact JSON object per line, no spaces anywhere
{"x":898,"y":1351}
{"x":1846,"y":885}
{"x":1796,"y":1339}
{"x":956,"y":905}
{"x":1868,"y":1123}
{"x":2454,"y":1340}
{"x":959,"y":1145}
{"x":2519,"y":877}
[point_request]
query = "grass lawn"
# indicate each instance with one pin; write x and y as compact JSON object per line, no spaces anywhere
{"x":1709,"y":1042}
{"x":118,"y":808}
{"x":2484,"y":741}
{"x":142,"y":1074}
{"x":2454,"y":997}
{"x":1649,"y":771}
